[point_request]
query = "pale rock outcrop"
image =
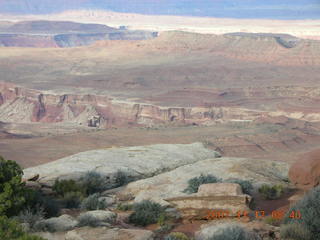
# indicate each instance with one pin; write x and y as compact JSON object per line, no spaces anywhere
{"x":219,"y":189}
{"x":99,"y":216}
{"x":137,"y":162}
{"x":171,"y":184}
{"x":57,"y":224}
{"x":104,"y":233}
{"x":208,"y":232}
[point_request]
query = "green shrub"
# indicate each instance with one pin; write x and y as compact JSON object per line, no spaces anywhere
{"x":233,"y":232}
{"x":62,"y":187}
{"x":121,"y":179}
{"x":295,"y":231}
{"x":12,"y":190}
{"x":51,"y":206}
{"x":72,"y":199}
{"x":11,"y":230}
{"x":88,"y":220}
{"x":246,"y":185}
{"x":145,"y":213}
{"x":271,"y":192}
{"x":176,"y":236}
{"x":93,"y":202}
{"x":124,"y":207}
{"x":31,"y":216}
{"x":309,"y":207}
{"x":162,"y":219}
{"x":194,"y":183}
{"x":93,"y":182}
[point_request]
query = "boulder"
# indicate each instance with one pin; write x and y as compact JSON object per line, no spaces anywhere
{"x":208,"y":232}
{"x":136,"y":162}
{"x":305,"y":173}
{"x":108,"y":200}
{"x":208,"y":201}
{"x":219,"y":189}
{"x":104,"y":233}
{"x":57,"y":224}
{"x":99,"y":216}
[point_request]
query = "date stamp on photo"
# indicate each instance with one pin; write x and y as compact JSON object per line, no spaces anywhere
{"x":259,"y":214}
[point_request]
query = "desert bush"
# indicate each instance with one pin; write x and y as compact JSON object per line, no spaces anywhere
{"x":93,"y":202}
{"x":232,"y":232}
{"x":72,"y":199}
{"x":294,"y":231}
{"x":165,"y":228}
{"x":309,"y":207}
{"x":88,"y":220}
{"x":176,"y":236}
{"x":271,"y":192}
{"x":93,"y":182}
{"x":31,"y":216}
{"x":194,"y":183}
{"x":62,"y":187}
{"x":124,"y":207}
{"x":246,"y":185}
{"x":162,"y":219}
{"x":145,"y":213}
{"x":51,"y":206}
{"x":12,"y":190}
{"x":121,"y":179}
{"x":11,"y":230}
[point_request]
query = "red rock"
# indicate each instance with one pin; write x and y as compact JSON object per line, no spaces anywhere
{"x":305,"y":172}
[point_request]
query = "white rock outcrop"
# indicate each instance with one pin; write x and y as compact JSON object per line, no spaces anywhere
{"x":171,"y":184}
{"x":136,"y":162}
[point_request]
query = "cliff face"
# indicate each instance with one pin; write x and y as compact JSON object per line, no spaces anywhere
{"x":25,"y":105}
{"x":21,"y":105}
{"x":63,"y":34}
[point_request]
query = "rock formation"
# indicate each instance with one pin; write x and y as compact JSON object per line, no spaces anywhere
{"x":171,"y":184}
{"x":135,"y":162}
{"x":22,"y":105}
{"x":214,"y":200}
{"x":63,"y":34}
{"x":305,"y":172}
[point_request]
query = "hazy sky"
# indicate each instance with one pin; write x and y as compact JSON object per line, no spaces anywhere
{"x":277,"y":9}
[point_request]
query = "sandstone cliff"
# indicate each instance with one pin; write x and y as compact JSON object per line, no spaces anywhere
{"x":21,"y":105}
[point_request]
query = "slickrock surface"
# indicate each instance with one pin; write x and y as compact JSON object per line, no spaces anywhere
{"x":171,"y":184}
{"x":136,"y":162}
{"x":101,"y":233}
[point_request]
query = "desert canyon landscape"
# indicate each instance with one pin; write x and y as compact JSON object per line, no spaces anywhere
{"x":144,"y":126}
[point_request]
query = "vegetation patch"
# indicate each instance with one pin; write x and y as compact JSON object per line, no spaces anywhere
{"x":146,"y":212}
{"x":93,"y":202}
{"x":271,"y":192}
{"x":11,"y":230}
{"x":306,"y":213}
{"x":246,"y":185}
{"x":194,"y":183}
{"x":176,"y":236}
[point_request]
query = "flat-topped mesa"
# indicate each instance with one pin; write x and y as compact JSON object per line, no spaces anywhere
{"x":213,"y":200}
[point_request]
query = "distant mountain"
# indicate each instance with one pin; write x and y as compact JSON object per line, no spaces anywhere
{"x":63,"y":34}
{"x":274,"y":9}
{"x":58,"y":27}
